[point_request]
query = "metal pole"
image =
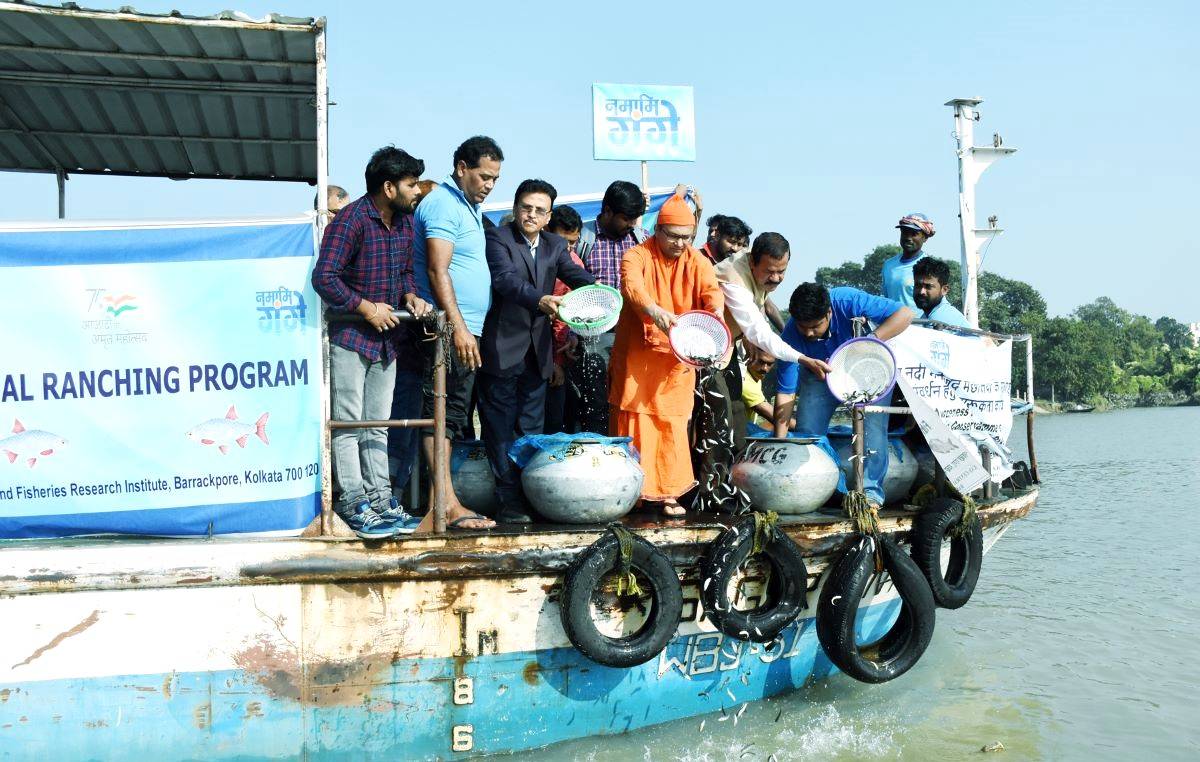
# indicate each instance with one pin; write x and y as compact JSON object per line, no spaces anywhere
{"x":1033,"y":469}
{"x":439,"y":428}
{"x":322,"y":128}
{"x":964,"y":133}
{"x":645,"y":177}
{"x":61,"y":176}
{"x":989,"y":487}
{"x":858,"y":416}
{"x":322,"y":99}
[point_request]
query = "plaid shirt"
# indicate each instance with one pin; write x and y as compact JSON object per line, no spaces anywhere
{"x":604,"y":259}
{"x":361,"y":258}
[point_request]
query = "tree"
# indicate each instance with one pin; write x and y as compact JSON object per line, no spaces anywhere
{"x":1175,"y":334}
{"x":1074,"y":357}
{"x":868,"y":276}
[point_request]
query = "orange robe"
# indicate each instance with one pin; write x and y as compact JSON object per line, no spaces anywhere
{"x":652,"y":391}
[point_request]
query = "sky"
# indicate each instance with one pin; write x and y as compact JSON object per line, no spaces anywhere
{"x":825,"y":124}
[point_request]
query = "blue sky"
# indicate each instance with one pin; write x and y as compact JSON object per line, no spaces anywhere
{"x":823,"y":123}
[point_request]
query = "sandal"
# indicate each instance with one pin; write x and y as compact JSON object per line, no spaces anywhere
{"x":671,"y":508}
{"x":458,"y":523}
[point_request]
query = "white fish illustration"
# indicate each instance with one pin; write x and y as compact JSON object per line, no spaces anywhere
{"x":223,"y":432}
{"x":29,"y":444}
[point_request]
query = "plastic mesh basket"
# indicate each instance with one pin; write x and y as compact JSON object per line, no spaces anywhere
{"x":864,"y":370}
{"x":699,"y":338}
{"x":591,"y":310}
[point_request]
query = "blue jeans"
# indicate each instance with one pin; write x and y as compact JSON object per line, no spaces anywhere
{"x":362,"y":391}
{"x":402,"y":443}
{"x":815,"y":406}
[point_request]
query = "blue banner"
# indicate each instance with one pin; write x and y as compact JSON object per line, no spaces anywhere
{"x":166,"y":381}
{"x":643,"y":122}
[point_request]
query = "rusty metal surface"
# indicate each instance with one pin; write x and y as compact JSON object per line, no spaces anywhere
{"x":43,"y":567}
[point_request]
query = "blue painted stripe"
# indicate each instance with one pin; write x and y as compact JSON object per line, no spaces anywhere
{"x":388,"y":709}
{"x":57,"y":247}
{"x":293,"y":513}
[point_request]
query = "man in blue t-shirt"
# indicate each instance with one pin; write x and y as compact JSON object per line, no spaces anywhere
{"x":821,"y":321}
{"x":931,"y":283}
{"x":451,"y":269}
{"x":915,"y":230}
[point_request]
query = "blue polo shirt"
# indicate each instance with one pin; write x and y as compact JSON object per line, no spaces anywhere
{"x":446,"y":214}
{"x":898,"y":279}
{"x":947,"y":313}
{"x":846,"y":304}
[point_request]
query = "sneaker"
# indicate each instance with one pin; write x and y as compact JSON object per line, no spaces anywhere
{"x":366,"y":523}
{"x":401,"y":520}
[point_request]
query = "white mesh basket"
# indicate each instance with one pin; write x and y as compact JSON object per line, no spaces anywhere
{"x":863,"y":370}
{"x":700,"y":338}
{"x":591,"y":310}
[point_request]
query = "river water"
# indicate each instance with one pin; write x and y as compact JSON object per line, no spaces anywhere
{"x":1080,"y":642}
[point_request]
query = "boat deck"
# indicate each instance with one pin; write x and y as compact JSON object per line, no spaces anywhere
{"x":113,"y":563}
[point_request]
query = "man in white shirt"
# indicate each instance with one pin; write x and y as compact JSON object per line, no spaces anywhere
{"x":747,"y":281}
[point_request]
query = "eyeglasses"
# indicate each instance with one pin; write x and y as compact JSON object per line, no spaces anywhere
{"x":677,"y":239}
{"x":536,"y":211}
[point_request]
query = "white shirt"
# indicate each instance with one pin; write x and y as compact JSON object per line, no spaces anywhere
{"x":533,"y":246}
{"x":740,"y":303}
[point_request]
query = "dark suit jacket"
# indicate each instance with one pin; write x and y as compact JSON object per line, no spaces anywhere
{"x":514,"y":322}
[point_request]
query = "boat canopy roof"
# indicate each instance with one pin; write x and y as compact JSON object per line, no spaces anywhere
{"x":123,"y":92}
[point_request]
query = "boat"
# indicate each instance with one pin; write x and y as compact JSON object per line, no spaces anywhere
{"x":307,"y":642}
{"x":1079,"y":407}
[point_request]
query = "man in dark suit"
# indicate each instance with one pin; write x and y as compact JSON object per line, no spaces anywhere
{"x":516,"y":344}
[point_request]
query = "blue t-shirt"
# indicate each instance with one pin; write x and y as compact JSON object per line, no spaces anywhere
{"x":947,"y":313}
{"x":846,"y":304}
{"x":898,"y":279}
{"x":447,"y":215}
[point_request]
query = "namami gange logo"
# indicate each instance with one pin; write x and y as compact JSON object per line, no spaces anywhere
{"x":118,"y":305}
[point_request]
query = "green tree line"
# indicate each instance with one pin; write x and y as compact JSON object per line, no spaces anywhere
{"x":1098,"y":353}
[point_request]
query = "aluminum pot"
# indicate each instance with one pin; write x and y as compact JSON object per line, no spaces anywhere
{"x":592,"y":483}
{"x":901,"y":472}
{"x":790,"y":475}
{"x":472,"y":477}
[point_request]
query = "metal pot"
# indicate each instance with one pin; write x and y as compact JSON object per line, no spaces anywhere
{"x":472,"y":477}
{"x":791,"y":475}
{"x":592,"y":483}
{"x":901,"y":472}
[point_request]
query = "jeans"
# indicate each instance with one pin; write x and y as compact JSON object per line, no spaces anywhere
{"x":510,"y":407}
{"x":402,"y":443}
{"x":362,"y":391}
{"x":814,"y":408}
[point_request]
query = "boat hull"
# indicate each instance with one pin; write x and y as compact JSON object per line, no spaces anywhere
{"x":357,"y":664}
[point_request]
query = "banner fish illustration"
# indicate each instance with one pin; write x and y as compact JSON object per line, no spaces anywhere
{"x":29,"y":444}
{"x":224,"y":432}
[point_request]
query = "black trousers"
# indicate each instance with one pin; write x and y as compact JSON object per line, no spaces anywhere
{"x":509,"y":408}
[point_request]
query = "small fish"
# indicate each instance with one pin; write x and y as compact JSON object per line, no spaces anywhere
{"x":730,"y":694}
{"x":741,"y":711}
{"x":702,"y":725}
{"x":745,"y":680}
{"x":224,"y":432}
{"x":28,"y":445}
{"x":777,"y":717}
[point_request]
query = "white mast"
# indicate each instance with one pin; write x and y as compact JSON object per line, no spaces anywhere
{"x":972,"y":161}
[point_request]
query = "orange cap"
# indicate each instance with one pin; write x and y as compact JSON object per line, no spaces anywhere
{"x":675,"y":211}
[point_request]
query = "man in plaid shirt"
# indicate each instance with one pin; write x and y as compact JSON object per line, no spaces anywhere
{"x":365,"y":266}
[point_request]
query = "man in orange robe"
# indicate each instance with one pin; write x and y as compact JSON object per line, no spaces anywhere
{"x":652,"y":391}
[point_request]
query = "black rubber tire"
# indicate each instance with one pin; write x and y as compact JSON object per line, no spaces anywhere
{"x":787,"y":590}
{"x":656,"y":574}
{"x":952,"y":588}
{"x":837,"y":611}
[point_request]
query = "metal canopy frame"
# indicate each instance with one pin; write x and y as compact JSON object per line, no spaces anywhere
{"x":120,"y":92}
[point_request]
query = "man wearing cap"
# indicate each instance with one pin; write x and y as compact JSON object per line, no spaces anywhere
{"x":915,"y":230}
{"x":652,"y":391}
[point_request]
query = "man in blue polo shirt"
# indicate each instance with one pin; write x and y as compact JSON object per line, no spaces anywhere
{"x":821,"y":321}
{"x":451,"y":270}
{"x":915,"y":230}
{"x":931,"y":283}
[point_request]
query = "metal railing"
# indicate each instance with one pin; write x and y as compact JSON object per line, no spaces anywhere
{"x":437,"y":423}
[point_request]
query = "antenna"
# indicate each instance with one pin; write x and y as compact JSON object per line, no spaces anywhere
{"x":972,"y":161}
